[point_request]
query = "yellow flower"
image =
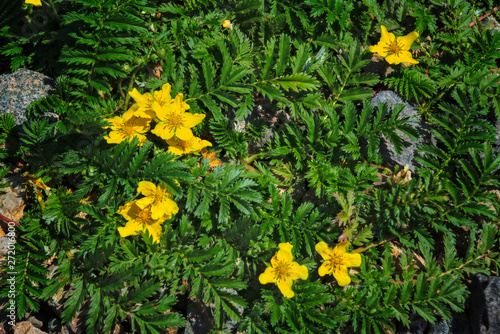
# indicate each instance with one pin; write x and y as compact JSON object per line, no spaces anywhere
{"x":159,"y":197}
{"x":36,"y":3}
{"x":144,"y":102}
{"x":394,"y":50}
{"x":140,"y":219}
{"x":175,"y":121}
{"x":284,"y":270}
{"x":227,"y":24}
{"x":336,"y":261}
{"x":181,"y":147}
{"x":127,"y":127}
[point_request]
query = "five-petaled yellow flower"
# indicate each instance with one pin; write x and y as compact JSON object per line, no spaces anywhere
{"x":180,"y":147}
{"x":336,"y":261}
{"x":127,"y":127}
{"x":36,"y":3}
{"x":284,"y":270}
{"x":158,"y":197}
{"x":140,"y":220}
{"x":174,"y":120}
{"x":394,"y":50}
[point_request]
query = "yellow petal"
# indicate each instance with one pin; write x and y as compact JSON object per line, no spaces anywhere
{"x":342,"y":276}
{"x":144,"y":202}
{"x":145,"y":113}
{"x":141,"y":125}
{"x":191,"y":120}
{"x":140,"y":99}
{"x":180,"y":105}
{"x":155,"y":231}
{"x":351,"y":260}
{"x":163,"y":131}
{"x":298,"y":271}
{"x":36,"y":3}
{"x":285,"y":286}
{"x":115,"y":137}
{"x":406,"y":57}
{"x":129,"y":113}
{"x":114,"y":122}
{"x":393,"y":59}
{"x":130,"y":210}
{"x":146,"y":188}
{"x":406,"y":41}
{"x":198,"y":144}
{"x":177,"y":150}
{"x":142,"y":139}
{"x":324,"y":269}
{"x":160,"y":111}
{"x":380,"y":48}
{"x":386,"y":40}
{"x":341,"y":248}
{"x":125,"y":211}
{"x":183,"y":133}
{"x":323,"y":250}
{"x":163,"y":96}
{"x":386,"y":37}
{"x":285,"y":252}
{"x":165,"y":206}
{"x":267,"y":276}
{"x":131,"y":228}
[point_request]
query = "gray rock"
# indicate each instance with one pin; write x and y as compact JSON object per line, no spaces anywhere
{"x":263,"y":115}
{"x":490,"y":23}
{"x":198,"y":318}
{"x":6,"y":245}
{"x":496,"y":144}
{"x":54,"y":325}
{"x":409,"y":146}
{"x":19,"y":89}
{"x":484,"y":312}
{"x":441,"y":327}
{"x":231,"y":325}
{"x":417,"y":325}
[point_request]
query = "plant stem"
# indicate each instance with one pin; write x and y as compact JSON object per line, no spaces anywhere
{"x":53,"y":7}
{"x":130,"y":85}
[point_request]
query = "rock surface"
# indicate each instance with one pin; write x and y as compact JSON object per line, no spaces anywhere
{"x":198,"y":318}
{"x":409,"y":146}
{"x":27,"y":327}
{"x":484,"y":312}
{"x":19,"y":89}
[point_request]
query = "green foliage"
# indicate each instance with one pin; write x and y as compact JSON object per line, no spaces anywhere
{"x":25,"y":265}
{"x":413,"y":85}
{"x":94,"y":58}
{"x":294,"y":158}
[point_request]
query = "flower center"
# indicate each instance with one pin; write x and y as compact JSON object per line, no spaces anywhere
{"x":128,"y":129}
{"x":394,"y":48}
{"x":335,"y":262}
{"x":160,"y":194}
{"x":282,"y":270}
{"x":162,"y":100}
{"x":144,"y":216}
{"x":175,"y":119}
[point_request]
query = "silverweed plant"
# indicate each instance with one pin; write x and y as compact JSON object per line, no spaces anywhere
{"x":227,"y":154}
